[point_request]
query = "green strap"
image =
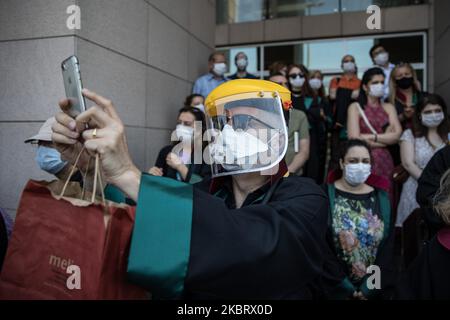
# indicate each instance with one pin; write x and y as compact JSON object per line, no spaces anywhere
{"x":385,"y":209}
{"x":346,"y":288}
{"x":308,"y":102}
{"x":114,"y":194}
{"x":195,"y":178}
{"x":331,"y":197}
{"x":415,"y":99}
{"x":160,"y":245}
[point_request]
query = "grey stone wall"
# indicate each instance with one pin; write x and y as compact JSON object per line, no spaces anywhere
{"x":442,"y":49}
{"x":142,"y":54}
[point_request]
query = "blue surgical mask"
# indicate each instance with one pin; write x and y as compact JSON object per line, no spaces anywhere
{"x":49,"y":160}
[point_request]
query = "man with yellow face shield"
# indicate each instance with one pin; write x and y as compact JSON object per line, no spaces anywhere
{"x":248,"y":232}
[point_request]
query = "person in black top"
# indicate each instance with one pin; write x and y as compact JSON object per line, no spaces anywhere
{"x":250,"y":232}
{"x":177,"y":161}
{"x":241,"y":62}
{"x":361,"y":226}
{"x":343,"y":91}
{"x":404,"y":92}
{"x":428,"y":278}
{"x":428,"y":185}
{"x":305,"y":99}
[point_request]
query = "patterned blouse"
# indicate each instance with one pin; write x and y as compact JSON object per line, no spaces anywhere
{"x":357,"y":231}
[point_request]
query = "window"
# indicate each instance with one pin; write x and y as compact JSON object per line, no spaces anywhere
{"x":326,"y":55}
{"x":235,"y":11}
{"x":252,"y":55}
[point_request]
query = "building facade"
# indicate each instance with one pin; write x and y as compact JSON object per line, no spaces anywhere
{"x":142,"y":54}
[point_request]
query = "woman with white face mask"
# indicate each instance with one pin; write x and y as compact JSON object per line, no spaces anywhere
{"x":428,"y":135}
{"x":305,"y":99}
{"x":196,"y":101}
{"x":343,"y":91}
{"x":376,"y":122}
{"x":360,"y":229}
{"x":176,"y":160}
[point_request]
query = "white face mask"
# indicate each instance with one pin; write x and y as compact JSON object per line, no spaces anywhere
{"x":432,"y":120}
{"x":184,"y":132}
{"x":348,"y":67}
{"x":356,"y":173}
{"x":297,"y":82}
{"x":220,"y":68}
{"x":200,"y":106}
{"x":376,"y":90}
{"x":315,"y":83}
{"x":242,"y":63}
{"x":382,"y":58}
{"x":231,"y":148}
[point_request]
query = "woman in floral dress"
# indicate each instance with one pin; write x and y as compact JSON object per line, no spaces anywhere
{"x":361,"y":227}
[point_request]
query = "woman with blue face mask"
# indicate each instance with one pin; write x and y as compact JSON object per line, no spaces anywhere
{"x":47,"y":157}
{"x":360,"y":228}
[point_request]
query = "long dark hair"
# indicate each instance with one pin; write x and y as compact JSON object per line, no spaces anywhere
{"x":321,"y":91}
{"x":199,"y":116}
{"x":306,"y":88}
{"x":189,"y":98}
{"x":367,"y":77}
{"x":197,"y":113}
{"x":345,"y":146}
{"x":419,"y":130}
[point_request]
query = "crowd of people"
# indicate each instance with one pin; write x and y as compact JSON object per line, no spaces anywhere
{"x":367,"y":145}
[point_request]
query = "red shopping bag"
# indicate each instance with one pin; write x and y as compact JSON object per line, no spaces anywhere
{"x":67,"y":248}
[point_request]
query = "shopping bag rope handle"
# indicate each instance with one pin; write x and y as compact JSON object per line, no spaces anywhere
{"x":97,"y":175}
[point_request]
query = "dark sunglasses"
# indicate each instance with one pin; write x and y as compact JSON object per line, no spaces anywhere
{"x":294,"y":75}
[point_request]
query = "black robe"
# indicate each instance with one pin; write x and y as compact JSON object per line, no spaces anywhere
{"x":315,"y":166}
{"x":270,"y":250}
{"x":428,"y":185}
{"x":428,"y":277}
{"x":201,"y":169}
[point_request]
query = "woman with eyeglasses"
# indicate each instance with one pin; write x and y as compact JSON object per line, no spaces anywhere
{"x":429,"y":134}
{"x":305,"y":99}
{"x":376,"y":122}
{"x":360,"y":230}
{"x":176,"y":160}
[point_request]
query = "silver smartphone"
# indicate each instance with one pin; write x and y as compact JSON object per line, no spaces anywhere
{"x":73,"y":85}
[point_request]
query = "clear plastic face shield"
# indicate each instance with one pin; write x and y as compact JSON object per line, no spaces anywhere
{"x":247,"y":133}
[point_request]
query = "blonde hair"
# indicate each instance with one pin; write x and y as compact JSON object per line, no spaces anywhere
{"x":393,"y":84}
{"x":441,"y":201}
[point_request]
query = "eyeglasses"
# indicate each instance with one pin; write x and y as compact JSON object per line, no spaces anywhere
{"x":295,"y":75}
{"x":243,"y":122}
